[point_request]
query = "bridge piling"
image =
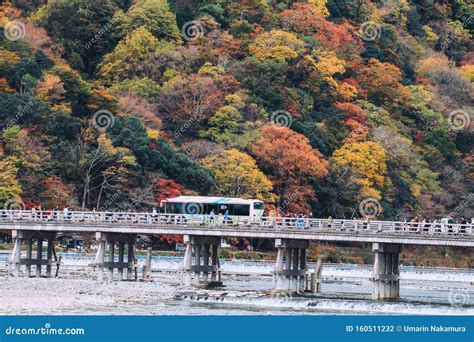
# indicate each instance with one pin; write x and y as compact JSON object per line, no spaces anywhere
{"x":290,"y":268}
{"x":39,"y":255}
{"x":110,"y":240}
{"x":28,"y":236}
{"x":196,"y":260}
{"x":29,"y":253}
{"x":130,"y":258}
{"x":386,"y":271}
{"x":49,"y":256}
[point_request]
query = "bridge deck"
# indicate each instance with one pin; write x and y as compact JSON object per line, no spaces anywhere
{"x":435,"y":234}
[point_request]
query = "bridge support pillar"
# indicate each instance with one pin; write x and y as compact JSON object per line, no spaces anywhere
{"x":110,"y":240}
{"x":200,"y":250}
{"x":28,"y":236}
{"x":290,"y":268}
{"x":386,"y":271}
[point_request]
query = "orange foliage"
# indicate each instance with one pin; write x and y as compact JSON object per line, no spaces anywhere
{"x":355,"y":121}
{"x":4,"y":87}
{"x":351,"y":110}
{"x":290,"y":161}
{"x":382,"y":81}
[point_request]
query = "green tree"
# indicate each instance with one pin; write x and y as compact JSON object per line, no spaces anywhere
{"x":126,"y":61}
{"x":154,"y":15}
{"x":82,"y":27}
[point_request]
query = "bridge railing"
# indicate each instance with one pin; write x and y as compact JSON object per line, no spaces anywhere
{"x":275,"y":223}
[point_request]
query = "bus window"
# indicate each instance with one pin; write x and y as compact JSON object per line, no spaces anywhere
{"x":207,"y":208}
{"x":241,"y":210}
{"x":258,"y":206}
{"x":173,"y":208}
{"x":222,"y":209}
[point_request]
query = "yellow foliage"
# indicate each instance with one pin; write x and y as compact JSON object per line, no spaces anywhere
{"x":211,"y":70}
{"x":431,"y":36}
{"x":368,"y":160}
{"x":128,"y":160}
{"x":237,"y":175}
{"x":234,"y":100}
{"x":468,"y":71}
{"x":346,"y":92}
{"x":8,"y":58}
{"x":106,"y":145}
{"x":153,"y":134}
{"x":10,"y":188}
{"x":415,"y":189}
{"x":321,"y":6}
{"x":276,"y":45}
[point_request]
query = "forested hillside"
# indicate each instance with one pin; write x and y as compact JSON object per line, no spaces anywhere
{"x":335,"y":107}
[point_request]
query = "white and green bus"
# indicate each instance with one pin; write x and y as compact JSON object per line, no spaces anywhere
{"x":215,"y":209}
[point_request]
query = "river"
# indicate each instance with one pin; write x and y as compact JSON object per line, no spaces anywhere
{"x":346,"y":289}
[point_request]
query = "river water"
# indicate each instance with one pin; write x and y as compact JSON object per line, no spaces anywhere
{"x":346,"y":289}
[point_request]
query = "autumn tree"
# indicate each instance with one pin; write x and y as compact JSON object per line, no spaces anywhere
{"x":276,"y":45}
{"x":129,"y":54}
{"x":10,"y":189}
{"x":291,"y":162}
{"x":368,"y":160}
{"x":166,"y":188}
{"x":382,"y":81}
{"x":236,"y":174}
{"x":186,"y":104}
{"x":55,"y":193}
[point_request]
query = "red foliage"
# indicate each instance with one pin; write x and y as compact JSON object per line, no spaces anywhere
{"x":166,"y":188}
{"x":306,"y":19}
{"x":172,"y":239}
{"x":352,"y":111}
{"x":422,"y":80}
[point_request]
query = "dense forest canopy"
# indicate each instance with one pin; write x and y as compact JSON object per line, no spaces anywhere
{"x":322,"y":106}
